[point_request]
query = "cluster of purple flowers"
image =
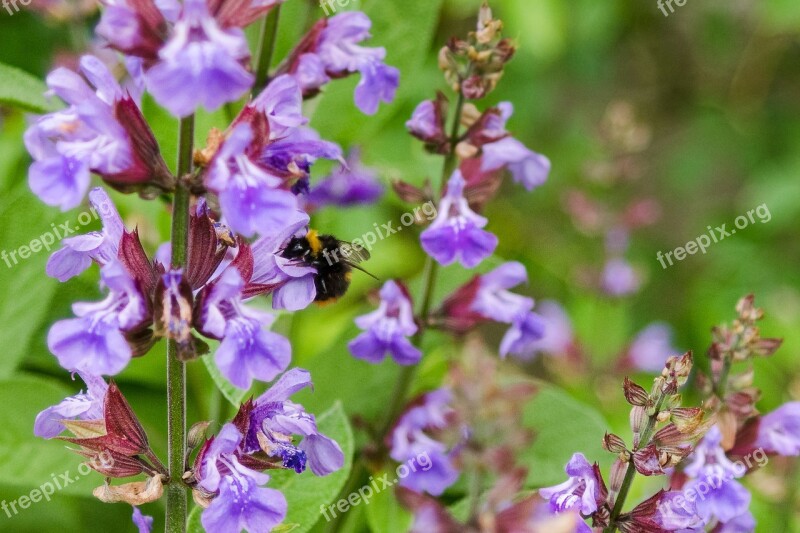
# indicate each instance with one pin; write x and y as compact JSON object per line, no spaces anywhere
{"x":229,"y":470}
{"x":250,"y":194}
{"x":411,"y":437}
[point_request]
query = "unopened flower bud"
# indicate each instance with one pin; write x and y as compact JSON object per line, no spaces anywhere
{"x":197,"y":434}
{"x":635,"y":394}
{"x":613,"y":443}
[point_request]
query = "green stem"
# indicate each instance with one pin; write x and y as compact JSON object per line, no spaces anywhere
{"x":266,"y":47}
{"x":722,"y":384}
{"x":176,"y":369}
{"x":430,"y":275}
{"x":406,"y":377}
{"x":474,"y":495}
{"x":627,"y":481}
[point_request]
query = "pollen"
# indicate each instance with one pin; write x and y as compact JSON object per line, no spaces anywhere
{"x":313,"y":241}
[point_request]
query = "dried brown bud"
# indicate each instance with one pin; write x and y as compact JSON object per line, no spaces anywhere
{"x":676,"y":371}
{"x":411,"y":193}
{"x":766,"y":347}
{"x":687,"y":419}
{"x":464,"y":150}
{"x":136,"y":493}
{"x":213,"y":142}
{"x":613,"y":443}
{"x":635,"y":394}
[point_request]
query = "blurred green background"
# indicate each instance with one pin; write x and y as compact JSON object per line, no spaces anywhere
{"x":698,"y":113}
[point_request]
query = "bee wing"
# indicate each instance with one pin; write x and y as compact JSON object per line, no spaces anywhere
{"x":353,"y":253}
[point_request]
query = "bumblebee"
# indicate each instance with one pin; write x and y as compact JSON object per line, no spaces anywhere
{"x":334,"y":261}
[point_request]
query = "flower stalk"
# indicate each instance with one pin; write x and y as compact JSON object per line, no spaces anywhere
{"x":630,"y":473}
{"x":176,"y":369}
{"x":267,"y":40}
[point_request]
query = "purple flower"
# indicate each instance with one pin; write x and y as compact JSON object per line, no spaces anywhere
{"x":526,"y":166}
{"x":387,"y":329}
{"x":456,"y":234}
{"x":274,"y":419}
{"x":67,"y":144}
{"x":410,"y":439}
{"x":94,"y":343}
{"x":619,"y":278}
{"x":137,"y":28}
{"x":77,"y":253}
{"x":779,"y":431}
{"x":713,"y":475}
{"x":250,"y":198}
{"x":378,"y":84}
{"x":558,"y":337}
{"x":201,"y":64}
{"x":247,"y":350}
{"x":501,"y":151}
{"x":295,"y":281}
{"x":675,"y":512}
{"x":351,"y":184}
{"x":292,"y":155}
{"x":83,"y":406}
{"x":335,"y":53}
{"x":240,"y":502}
{"x":523,"y":337}
{"x":102,"y":130}
{"x":494,"y":301}
{"x":580,"y":491}
{"x":143,"y":522}
{"x":744,"y":523}
{"x":427,"y":121}
{"x":281,"y":102}
{"x":652,"y":347}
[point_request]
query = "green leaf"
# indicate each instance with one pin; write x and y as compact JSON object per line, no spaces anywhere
{"x":20,"y":89}
{"x":193,"y":524}
{"x":234,"y":395}
{"x":285,"y":528}
{"x":385,"y":514}
{"x":307,"y":493}
{"x":26,"y":225}
{"x":562,"y":426}
{"x":28,"y":461}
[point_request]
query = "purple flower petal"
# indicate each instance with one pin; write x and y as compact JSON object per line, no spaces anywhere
{"x":143,"y":522}
{"x":200,"y":65}
{"x":779,"y":431}
{"x":324,"y":454}
{"x":456,"y":233}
